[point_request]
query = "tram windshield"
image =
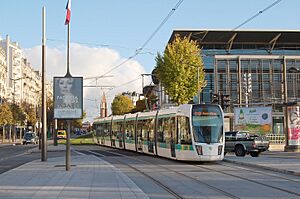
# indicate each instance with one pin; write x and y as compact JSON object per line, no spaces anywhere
{"x":207,"y":124}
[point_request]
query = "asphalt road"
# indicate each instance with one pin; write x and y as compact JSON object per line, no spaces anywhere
{"x":12,"y":156}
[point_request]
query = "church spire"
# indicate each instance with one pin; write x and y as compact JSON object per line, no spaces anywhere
{"x":103,"y":106}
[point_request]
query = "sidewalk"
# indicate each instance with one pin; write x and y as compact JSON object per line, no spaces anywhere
{"x":284,"y":162}
{"x":89,"y":177}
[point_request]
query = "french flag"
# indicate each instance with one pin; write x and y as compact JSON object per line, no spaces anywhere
{"x":68,"y":16}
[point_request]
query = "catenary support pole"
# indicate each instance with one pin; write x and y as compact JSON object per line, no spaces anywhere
{"x":44,"y":113}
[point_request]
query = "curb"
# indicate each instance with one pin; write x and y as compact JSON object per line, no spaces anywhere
{"x":263,"y":167}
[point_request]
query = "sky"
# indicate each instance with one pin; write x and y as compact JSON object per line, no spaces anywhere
{"x":106,"y":33}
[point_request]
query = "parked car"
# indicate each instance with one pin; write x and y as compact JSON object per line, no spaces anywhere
{"x":61,"y":134}
{"x":242,"y":143}
{"x":30,"y":138}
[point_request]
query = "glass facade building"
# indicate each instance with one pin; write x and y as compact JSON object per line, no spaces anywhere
{"x":255,"y":68}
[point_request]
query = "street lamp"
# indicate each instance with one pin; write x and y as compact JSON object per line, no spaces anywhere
{"x":14,"y":80}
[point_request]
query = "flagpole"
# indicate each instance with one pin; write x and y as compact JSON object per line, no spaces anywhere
{"x":68,"y":144}
{"x":68,"y":53}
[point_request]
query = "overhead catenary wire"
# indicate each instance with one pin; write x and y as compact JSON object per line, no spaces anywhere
{"x":235,"y":28}
{"x":257,"y":14}
{"x":138,"y":51}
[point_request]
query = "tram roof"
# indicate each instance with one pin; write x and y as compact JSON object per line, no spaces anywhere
{"x":242,"y":39}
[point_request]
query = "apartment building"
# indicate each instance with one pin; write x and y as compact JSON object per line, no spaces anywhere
{"x":23,"y":83}
{"x":2,"y":74}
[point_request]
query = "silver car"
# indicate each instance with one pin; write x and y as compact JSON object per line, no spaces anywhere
{"x":30,"y":138}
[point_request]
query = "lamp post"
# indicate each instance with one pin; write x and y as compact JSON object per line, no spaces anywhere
{"x":14,"y":80}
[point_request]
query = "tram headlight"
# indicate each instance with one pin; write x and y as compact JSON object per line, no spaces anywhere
{"x":199,"y":150}
{"x":220,"y":147}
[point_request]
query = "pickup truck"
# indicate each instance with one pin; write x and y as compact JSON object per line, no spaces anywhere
{"x":243,"y":143}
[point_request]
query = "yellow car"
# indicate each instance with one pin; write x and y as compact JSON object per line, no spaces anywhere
{"x":61,"y":134}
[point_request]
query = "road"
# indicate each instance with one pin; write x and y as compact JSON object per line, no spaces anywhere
{"x":164,"y":178}
{"x":12,"y":156}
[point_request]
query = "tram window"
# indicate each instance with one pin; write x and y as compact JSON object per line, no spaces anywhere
{"x":129,"y":129}
{"x":160,"y":131}
{"x":151,"y":130}
{"x":167,"y":130}
{"x":184,"y":130}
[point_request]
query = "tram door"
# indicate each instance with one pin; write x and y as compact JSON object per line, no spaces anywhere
{"x":139,"y":135}
{"x":173,"y":136}
{"x":151,"y":135}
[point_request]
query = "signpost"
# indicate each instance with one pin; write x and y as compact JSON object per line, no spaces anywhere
{"x":68,"y":104}
{"x":68,"y":95}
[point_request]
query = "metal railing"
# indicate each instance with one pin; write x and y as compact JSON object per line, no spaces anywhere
{"x":276,"y":138}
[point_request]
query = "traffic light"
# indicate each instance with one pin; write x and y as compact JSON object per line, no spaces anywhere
{"x":225,"y":101}
{"x":215,"y":98}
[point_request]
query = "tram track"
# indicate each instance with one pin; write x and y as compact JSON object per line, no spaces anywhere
{"x":260,"y":172}
{"x":250,"y":180}
{"x":216,"y":189}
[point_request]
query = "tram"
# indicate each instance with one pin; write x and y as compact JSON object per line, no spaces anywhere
{"x":190,"y":132}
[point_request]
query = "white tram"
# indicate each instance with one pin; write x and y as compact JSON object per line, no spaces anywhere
{"x":188,"y":132}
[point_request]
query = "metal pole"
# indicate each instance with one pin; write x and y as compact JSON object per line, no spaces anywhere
{"x":68,"y":53}
{"x":55,"y":133}
{"x":198,"y":85}
{"x":44,"y":113}
{"x":68,"y":150}
{"x":286,"y":107}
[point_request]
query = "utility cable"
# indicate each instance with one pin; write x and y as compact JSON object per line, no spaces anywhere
{"x":138,"y":51}
{"x":257,"y":14}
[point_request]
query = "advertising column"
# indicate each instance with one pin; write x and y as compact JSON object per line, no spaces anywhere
{"x":293,"y":128}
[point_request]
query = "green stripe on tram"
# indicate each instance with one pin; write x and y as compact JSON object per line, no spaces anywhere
{"x":184,"y":147}
{"x":129,"y":141}
{"x":167,"y":115}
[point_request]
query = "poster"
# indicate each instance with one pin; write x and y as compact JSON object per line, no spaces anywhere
{"x":68,"y":102}
{"x":293,"y":125}
{"x":256,"y":120}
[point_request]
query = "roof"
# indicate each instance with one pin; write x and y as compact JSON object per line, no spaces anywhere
{"x":242,"y":39}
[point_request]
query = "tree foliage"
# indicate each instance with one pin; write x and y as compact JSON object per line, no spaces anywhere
{"x":31,"y":113}
{"x":121,"y":105}
{"x":177,"y":70}
{"x":148,"y":103}
{"x":18,"y":114}
{"x":6,"y":116}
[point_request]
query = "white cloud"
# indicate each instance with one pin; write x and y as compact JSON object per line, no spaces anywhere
{"x":87,"y":61}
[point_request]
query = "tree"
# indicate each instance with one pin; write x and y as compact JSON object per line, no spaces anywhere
{"x":18,"y":114}
{"x":177,"y":70}
{"x":5,"y":117}
{"x":121,"y":105}
{"x":31,"y":113}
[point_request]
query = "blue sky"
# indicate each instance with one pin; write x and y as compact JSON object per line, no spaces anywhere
{"x":105,"y":33}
